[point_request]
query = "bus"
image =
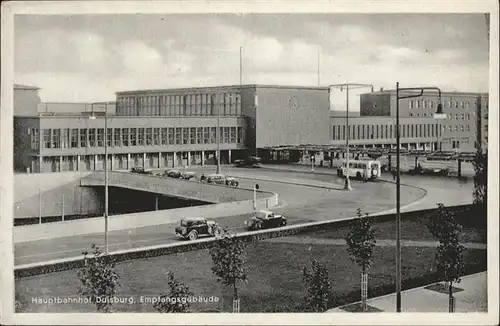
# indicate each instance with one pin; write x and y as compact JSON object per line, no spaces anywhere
{"x":365,"y":169}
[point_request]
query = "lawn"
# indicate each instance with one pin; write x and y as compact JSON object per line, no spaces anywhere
{"x":410,"y":230}
{"x":274,"y":277}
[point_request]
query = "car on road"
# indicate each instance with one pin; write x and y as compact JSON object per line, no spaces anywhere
{"x":172,"y":174}
{"x":221,"y":179}
{"x":265,"y":219}
{"x":193,"y":227}
{"x":188,"y":175}
{"x":251,"y":161}
{"x":140,"y":170}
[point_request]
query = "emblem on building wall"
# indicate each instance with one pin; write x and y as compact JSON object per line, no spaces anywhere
{"x":293,"y":102}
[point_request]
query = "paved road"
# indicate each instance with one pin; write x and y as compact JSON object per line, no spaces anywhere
{"x":299,"y":203}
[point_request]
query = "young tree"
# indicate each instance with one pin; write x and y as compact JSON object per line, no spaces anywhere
{"x":480,"y":164}
{"x":227,"y":256}
{"x":449,"y":253}
{"x":319,"y":287}
{"x":98,"y":280}
{"x":361,"y":241}
{"x":176,"y":300}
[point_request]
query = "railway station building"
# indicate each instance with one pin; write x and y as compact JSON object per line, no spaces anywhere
{"x":165,"y":128}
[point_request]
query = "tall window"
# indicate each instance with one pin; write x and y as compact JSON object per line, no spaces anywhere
{"x":156,"y":136}
{"x":226,"y":135}
{"x":164,"y":136}
{"x":65,"y":138}
{"x":34,"y":138}
{"x":118,"y":137}
{"x":206,"y":135}
{"x":74,"y":138}
{"x":149,"y":136}
{"x":140,"y":136}
{"x":133,"y":136}
{"x":56,"y":138}
{"x":232,"y":135}
{"x":100,"y":137}
{"x":199,"y":135}
{"x":171,"y":136}
{"x":46,"y":138}
{"x":125,"y":137}
{"x":185,"y":136}
{"x":109,"y":137}
{"x":192,"y":135}
{"x":411,"y":104}
{"x":213,"y":135}
{"x":92,"y":137}
{"x":240,"y":135}
{"x":83,"y":137}
{"x":178,"y":136}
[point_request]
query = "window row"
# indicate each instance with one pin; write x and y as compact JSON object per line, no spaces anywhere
{"x":124,"y":137}
{"x":425,"y":104}
{"x":459,"y":128}
{"x":384,"y":131}
{"x":180,"y":105}
{"x":456,"y":116}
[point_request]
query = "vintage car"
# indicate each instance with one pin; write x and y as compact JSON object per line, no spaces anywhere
{"x":265,"y":219}
{"x":140,"y":170}
{"x":172,"y":174}
{"x":232,"y":182}
{"x":188,"y":175}
{"x":193,"y":227}
{"x":221,"y":179}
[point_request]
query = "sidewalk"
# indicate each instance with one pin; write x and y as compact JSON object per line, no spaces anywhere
{"x":470,"y":294}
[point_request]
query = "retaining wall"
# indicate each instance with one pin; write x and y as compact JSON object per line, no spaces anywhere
{"x":171,"y":187}
{"x":128,"y":221}
{"x":466,"y":214}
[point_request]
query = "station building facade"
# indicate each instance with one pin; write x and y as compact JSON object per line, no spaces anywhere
{"x":165,"y":128}
{"x":464,"y":130}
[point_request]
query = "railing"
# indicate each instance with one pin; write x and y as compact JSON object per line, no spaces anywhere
{"x":173,"y":187}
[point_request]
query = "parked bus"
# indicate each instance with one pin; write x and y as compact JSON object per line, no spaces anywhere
{"x":365,"y":169}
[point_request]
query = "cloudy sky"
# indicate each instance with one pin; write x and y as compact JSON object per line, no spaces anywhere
{"x":90,"y":57}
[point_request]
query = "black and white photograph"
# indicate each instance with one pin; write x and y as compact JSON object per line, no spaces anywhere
{"x":228,"y":161}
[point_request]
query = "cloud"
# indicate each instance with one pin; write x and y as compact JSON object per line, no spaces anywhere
{"x":92,"y":57}
{"x":140,"y":59}
{"x":387,"y":54}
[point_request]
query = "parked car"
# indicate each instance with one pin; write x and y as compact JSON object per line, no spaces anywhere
{"x":188,"y":175}
{"x":222,"y":179}
{"x":140,"y":170}
{"x":265,"y":219}
{"x":172,"y":174}
{"x":193,"y":227}
{"x":232,"y":182}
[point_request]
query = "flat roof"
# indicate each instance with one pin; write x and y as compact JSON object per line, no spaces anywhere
{"x":185,"y":89}
{"x":20,"y":86}
{"x":443,"y":93}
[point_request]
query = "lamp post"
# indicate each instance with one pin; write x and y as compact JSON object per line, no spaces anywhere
{"x":347,"y":184}
{"x":218,"y":133}
{"x":106,"y":198}
{"x":398,"y":180}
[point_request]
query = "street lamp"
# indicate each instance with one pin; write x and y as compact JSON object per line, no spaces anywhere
{"x":439,"y":114}
{"x":218,"y":133}
{"x":106,"y":199}
{"x":347,"y":184}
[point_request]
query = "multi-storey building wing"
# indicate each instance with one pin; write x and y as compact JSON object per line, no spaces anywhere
{"x":168,"y":128}
{"x":462,"y":131}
